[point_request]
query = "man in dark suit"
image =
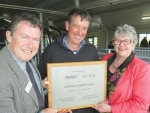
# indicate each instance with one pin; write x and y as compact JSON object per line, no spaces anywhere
{"x":17,"y":94}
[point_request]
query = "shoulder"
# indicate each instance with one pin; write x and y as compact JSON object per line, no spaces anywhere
{"x":106,"y":56}
{"x":139,"y":67}
{"x":89,"y":46}
{"x":6,"y":72}
{"x":139,"y":62}
{"x":51,"y":47}
{"x":5,"y":56}
{"x":54,"y":45}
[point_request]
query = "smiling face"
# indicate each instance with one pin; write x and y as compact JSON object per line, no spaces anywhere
{"x":121,"y":49}
{"x":77,"y":30}
{"x":24,"y":43}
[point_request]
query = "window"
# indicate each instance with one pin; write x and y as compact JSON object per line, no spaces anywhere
{"x":141,"y":36}
{"x":93,"y":40}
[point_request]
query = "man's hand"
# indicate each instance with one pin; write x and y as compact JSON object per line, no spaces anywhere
{"x":65,"y":111}
{"x":49,"y":110}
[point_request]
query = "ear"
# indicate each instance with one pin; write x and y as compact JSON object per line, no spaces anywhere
{"x":8,"y":36}
{"x":113,"y":44}
{"x":133,"y":46}
{"x":67,"y":25}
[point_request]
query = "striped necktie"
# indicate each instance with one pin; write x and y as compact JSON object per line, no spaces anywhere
{"x":34,"y":84}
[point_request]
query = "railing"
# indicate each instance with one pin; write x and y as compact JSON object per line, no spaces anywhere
{"x":142,"y":53}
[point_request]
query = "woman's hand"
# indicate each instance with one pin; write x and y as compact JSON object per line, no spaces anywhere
{"x":102,"y":107}
{"x":45,"y":83}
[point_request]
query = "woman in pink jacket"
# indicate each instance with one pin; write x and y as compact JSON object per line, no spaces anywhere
{"x":128,"y":80}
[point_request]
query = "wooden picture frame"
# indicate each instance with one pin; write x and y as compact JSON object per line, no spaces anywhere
{"x":76,"y":85}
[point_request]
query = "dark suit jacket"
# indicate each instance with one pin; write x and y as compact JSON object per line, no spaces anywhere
{"x":13,"y":97}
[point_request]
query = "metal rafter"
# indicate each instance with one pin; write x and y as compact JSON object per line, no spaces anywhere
{"x":32,"y":9}
{"x":8,"y":1}
{"x":96,"y":4}
{"x":45,"y":3}
{"x":4,"y":17}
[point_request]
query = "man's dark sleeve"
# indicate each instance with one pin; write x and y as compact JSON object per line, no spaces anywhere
{"x":96,"y":55}
{"x":42,"y":67}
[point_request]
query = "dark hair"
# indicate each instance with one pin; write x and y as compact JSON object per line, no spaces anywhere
{"x":28,"y":17}
{"x":78,"y":12}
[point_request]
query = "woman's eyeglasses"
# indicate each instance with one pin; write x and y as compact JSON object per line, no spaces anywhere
{"x":125,"y":42}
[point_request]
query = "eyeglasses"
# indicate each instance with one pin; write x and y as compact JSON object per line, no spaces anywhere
{"x":125,"y":42}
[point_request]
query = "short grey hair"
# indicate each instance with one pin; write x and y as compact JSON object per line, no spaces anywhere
{"x":127,"y":30}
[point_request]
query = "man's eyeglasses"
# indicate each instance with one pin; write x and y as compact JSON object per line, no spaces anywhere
{"x":125,"y":42}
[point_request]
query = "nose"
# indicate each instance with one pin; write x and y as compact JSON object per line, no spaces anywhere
{"x":79,"y":31}
{"x":121,"y":43}
{"x":30,"y":43}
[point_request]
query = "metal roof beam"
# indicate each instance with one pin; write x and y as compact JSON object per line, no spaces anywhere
{"x":45,"y":3}
{"x":8,"y":1}
{"x":96,"y":4}
{"x":32,"y":9}
{"x":104,"y":20}
{"x":4,"y":17}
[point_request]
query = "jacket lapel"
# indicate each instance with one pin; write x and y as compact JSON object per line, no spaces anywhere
{"x":125,"y":76}
{"x":22,"y":78}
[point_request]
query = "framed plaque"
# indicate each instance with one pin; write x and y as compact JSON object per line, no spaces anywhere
{"x":77,"y":84}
